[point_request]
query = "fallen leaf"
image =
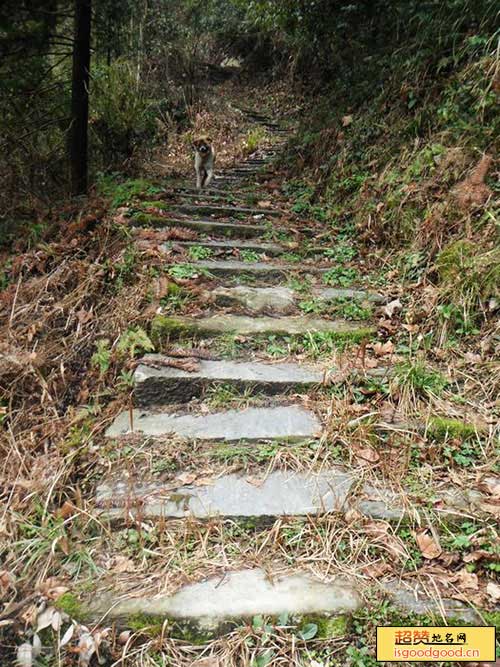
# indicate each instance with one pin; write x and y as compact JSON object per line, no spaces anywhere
{"x":376,"y":570}
{"x":255,"y":481}
{"x":52,"y":588}
{"x":66,"y":510}
{"x":264,"y":204}
{"x":428,"y":546}
{"x":490,"y":485}
{"x":68,"y":635}
{"x":479,"y":554}
{"x":347,"y":120}
{"x":86,"y":649}
{"x":56,"y":621}
{"x":44,"y":620}
{"x":186,"y":478}
{"x":124,"y":636}
{"x":466,"y":580}
{"x":392,"y":307}
{"x":493,"y":591}
{"x":381,"y":349}
{"x":203,"y":481}
{"x":123,"y":564}
{"x":25,"y":655}
{"x":367,"y":454}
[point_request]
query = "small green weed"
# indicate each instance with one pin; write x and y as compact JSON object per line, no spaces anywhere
{"x":255,"y":138}
{"x":199,"y":252}
{"x":340,"y":276}
{"x":187,"y":271}
{"x":101,"y":358}
{"x":123,"y":192}
{"x":418,"y":378}
{"x":134,"y":341}
{"x":342,"y":253}
{"x":250,"y":256}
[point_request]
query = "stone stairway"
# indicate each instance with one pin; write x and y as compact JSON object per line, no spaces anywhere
{"x":161,"y":411}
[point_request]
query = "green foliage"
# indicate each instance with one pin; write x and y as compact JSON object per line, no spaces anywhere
{"x":134,"y":341}
{"x":416,"y":377}
{"x":101,"y":358}
{"x":255,"y":138}
{"x":120,"y":110}
{"x":250,"y":256}
{"x":187,"y":271}
{"x":199,"y":252}
{"x":123,"y":192}
{"x":340,"y":276}
{"x":469,"y":276}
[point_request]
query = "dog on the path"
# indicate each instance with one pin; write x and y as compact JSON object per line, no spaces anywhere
{"x":204,"y":160}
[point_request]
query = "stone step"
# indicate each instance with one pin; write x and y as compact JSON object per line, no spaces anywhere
{"x":238,"y":230}
{"x":283,"y":299}
{"x":244,"y":325}
{"x":284,"y":422}
{"x":232,"y":268}
{"x":279,"y":300}
{"x":217,"y":604}
{"x":215,"y":210}
{"x":234,"y":496}
{"x":158,"y":384}
{"x":265,"y":248}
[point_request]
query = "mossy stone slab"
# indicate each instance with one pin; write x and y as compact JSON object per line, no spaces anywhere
{"x":284,"y":422}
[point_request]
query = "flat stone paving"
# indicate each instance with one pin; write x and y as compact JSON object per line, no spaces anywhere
{"x":238,"y":595}
{"x":278,"y":494}
{"x":256,"y":299}
{"x":160,"y":384}
{"x":264,"y":248}
{"x":243,"y":325}
{"x":213,"y":209}
{"x":242,"y":230}
{"x":284,"y":422}
{"x":283,"y":299}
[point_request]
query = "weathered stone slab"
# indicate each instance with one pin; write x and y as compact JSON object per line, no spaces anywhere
{"x":413,"y":600}
{"x":282,"y":299}
{"x":287,"y":423}
{"x":256,"y":299}
{"x":344,"y":293}
{"x":216,"y":210}
{"x":242,"y":230}
{"x":167,"y":384}
{"x":243,"y":325}
{"x":266,"y":248}
{"x":236,"y":596}
{"x":280,"y":494}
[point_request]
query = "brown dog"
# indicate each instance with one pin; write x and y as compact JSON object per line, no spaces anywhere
{"x":204,"y":160}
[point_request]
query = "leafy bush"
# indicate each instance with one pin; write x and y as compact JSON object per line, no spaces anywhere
{"x":120,"y":111}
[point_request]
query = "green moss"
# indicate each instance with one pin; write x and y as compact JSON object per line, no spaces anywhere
{"x":161,"y":205}
{"x":328,"y":627}
{"x":453,"y":259}
{"x":148,"y":220}
{"x":163,"y":328}
{"x":492,"y":618}
{"x":71,"y":605}
{"x":441,"y":428}
{"x":145,"y":623}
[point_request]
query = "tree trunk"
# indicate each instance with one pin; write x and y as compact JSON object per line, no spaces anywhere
{"x":80,"y":98}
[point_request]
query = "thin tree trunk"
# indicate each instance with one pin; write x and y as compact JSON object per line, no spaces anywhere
{"x":80,"y":98}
